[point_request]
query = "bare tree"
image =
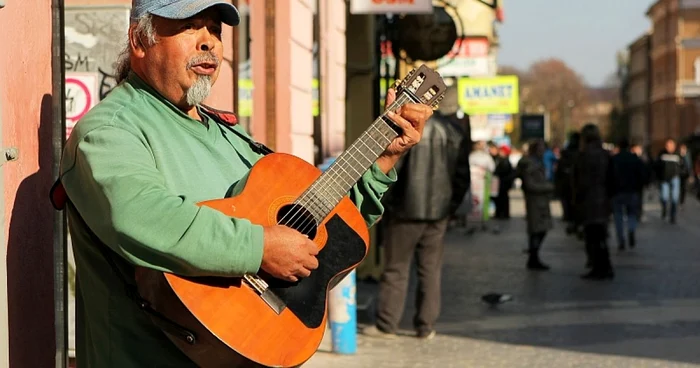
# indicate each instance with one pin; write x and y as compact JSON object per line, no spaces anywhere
{"x":553,"y":87}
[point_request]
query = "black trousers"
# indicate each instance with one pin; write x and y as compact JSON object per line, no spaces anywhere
{"x":684,"y":189}
{"x":567,"y":206}
{"x":535,"y":242}
{"x":502,"y":202}
{"x":403,"y":241}
{"x":597,"y":247}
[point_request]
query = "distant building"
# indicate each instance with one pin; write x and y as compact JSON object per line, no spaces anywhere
{"x":675,"y":69}
{"x":637,"y":89}
{"x":601,"y":102}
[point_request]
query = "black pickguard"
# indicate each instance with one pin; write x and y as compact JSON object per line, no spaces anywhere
{"x":307,"y":298}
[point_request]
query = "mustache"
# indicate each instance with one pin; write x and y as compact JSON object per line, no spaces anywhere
{"x":207,"y":57}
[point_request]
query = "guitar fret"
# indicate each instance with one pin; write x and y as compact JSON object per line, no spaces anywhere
{"x":345,"y":171}
{"x":379,"y":145}
{"x":359,"y":162}
{"x":333,"y":200}
{"x":322,"y":204}
{"x":336,"y":194}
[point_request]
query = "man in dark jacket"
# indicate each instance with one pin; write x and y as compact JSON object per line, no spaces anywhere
{"x":432,"y":181}
{"x":592,"y":175}
{"x":668,"y":173}
{"x":629,"y":177}
{"x":563,"y":180}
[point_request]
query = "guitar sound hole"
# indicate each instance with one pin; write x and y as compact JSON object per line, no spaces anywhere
{"x":298,"y":218}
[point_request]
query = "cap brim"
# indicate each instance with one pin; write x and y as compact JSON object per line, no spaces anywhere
{"x":188,"y":8}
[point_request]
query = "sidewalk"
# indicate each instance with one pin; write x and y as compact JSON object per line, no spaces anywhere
{"x":649,"y":316}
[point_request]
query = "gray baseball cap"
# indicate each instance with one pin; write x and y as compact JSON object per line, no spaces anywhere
{"x":182,"y":9}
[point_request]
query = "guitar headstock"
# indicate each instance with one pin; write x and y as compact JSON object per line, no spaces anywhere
{"x":424,"y":83}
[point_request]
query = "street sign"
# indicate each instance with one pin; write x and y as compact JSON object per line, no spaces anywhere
{"x":489,"y":95}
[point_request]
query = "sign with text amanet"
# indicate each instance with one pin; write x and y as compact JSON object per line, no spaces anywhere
{"x":489,"y":95}
{"x":391,"y":6}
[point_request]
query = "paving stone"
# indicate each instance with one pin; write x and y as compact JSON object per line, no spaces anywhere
{"x":648,"y":316}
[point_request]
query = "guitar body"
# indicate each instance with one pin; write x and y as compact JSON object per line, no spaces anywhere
{"x":234,"y":326}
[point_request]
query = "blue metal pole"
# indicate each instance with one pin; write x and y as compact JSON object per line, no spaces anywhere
{"x":343,"y":315}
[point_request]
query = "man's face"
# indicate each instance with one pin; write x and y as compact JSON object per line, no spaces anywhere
{"x":185,"y":61}
{"x":671,"y":146}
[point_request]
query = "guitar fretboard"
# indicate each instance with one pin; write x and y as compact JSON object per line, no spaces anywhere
{"x":327,"y":191}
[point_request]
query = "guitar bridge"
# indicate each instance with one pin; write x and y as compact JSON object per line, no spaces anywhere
{"x":262,"y":288}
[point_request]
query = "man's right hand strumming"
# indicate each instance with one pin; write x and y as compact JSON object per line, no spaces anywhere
{"x":287,"y":254}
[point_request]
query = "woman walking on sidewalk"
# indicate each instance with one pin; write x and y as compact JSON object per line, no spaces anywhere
{"x":538,"y":193}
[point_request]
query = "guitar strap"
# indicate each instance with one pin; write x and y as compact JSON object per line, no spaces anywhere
{"x":59,"y":199}
{"x":228,"y":120}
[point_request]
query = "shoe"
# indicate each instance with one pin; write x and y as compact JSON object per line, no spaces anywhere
{"x":599,"y":275}
{"x":537,"y":265}
{"x":374,"y":331}
{"x":426,"y":334}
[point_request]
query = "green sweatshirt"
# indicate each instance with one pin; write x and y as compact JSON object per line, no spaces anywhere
{"x":134,"y":168}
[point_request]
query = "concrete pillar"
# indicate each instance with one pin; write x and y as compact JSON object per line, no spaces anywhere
{"x":4,"y":336}
{"x":281,"y":48}
{"x":333,"y":75}
{"x":26,"y":237}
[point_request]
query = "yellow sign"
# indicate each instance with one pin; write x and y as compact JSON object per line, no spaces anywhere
{"x":489,"y":95}
{"x":383,"y":88}
{"x":315,"y":109}
{"x":245,"y":97}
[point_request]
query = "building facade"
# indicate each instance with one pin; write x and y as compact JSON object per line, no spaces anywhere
{"x":637,"y":90}
{"x":675,"y":69}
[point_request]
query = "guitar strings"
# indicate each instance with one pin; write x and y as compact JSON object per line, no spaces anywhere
{"x":309,"y":222}
{"x":299,"y":214}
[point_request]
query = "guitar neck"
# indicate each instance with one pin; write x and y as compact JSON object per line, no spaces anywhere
{"x":327,"y":191}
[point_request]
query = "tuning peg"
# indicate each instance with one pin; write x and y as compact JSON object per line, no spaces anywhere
{"x":436,"y":104}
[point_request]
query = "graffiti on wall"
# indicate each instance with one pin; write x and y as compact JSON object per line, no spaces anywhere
{"x":94,"y":38}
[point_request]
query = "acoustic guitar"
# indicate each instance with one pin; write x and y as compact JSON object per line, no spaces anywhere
{"x":260,"y":321}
